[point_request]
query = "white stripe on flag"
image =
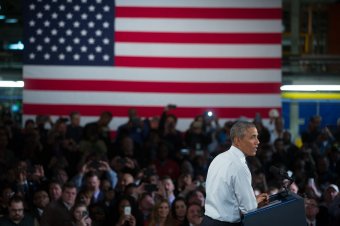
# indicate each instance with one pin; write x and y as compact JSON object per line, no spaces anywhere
{"x":202,"y":3}
{"x":151,"y":99}
{"x":198,"y":25}
{"x":198,"y":50}
{"x":150,"y":74}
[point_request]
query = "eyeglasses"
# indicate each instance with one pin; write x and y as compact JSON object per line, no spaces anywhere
{"x":310,"y":205}
{"x":16,"y":210}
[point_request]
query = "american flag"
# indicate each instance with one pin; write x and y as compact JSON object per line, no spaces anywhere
{"x":95,"y":55}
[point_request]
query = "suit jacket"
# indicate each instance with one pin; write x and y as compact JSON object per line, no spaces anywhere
{"x":318,"y":222}
{"x":56,"y":214}
{"x":99,"y":199}
{"x":28,"y":220}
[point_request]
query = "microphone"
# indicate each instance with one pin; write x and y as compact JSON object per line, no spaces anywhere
{"x":283,"y":174}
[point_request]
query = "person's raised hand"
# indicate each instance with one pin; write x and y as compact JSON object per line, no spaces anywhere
{"x":262,"y":199}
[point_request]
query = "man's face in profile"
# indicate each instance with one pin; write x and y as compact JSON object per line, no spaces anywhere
{"x":249,"y":142}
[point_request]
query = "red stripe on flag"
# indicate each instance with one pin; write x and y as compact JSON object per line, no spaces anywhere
{"x":143,"y":111}
{"x":178,"y":62}
{"x":158,"y":87}
{"x":213,"y":38}
{"x":196,"y":13}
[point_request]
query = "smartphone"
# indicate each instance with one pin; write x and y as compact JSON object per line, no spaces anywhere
{"x":84,"y":213}
{"x":311,"y":182}
{"x":184,"y":151}
{"x":95,"y":164}
{"x":127,"y":210}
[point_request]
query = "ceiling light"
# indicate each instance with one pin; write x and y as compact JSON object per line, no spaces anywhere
{"x":12,"y":84}
{"x":310,"y":88}
{"x":11,"y":20}
{"x":16,"y":46}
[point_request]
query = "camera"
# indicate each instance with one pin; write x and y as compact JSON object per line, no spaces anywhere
{"x":210,"y":114}
{"x":199,"y":183}
{"x":95,"y":164}
{"x":84,"y":213}
{"x":122,"y":161}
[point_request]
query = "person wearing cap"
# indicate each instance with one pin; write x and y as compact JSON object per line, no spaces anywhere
{"x":330,"y":193}
{"x":328,"y":197}
{"x":334,"y":206}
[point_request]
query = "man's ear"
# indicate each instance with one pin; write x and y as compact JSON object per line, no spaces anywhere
{"x":236,"y":141}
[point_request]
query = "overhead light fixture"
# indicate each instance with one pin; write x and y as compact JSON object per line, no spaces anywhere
{"x":2,"y":17}
{"x":11,"y":20}
{"x":310,"y":88}
{"x":12,"y":84}
{"x":16,"y":46}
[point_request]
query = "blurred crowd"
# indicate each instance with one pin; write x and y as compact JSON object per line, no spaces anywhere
{"x":61,"y":173}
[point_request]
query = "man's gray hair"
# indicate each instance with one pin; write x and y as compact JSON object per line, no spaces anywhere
{"x":239,"y":129}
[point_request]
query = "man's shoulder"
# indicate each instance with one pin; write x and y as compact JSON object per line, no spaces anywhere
{"x":223,"y":155}
{"x":55,"y":213}
{"x":6,"y":222}
{"x":55,"y":205}
{"x":3,"y":219}
{"x":27,"y":220}
{"x":90,"y":125}
{"x":71,"y":127}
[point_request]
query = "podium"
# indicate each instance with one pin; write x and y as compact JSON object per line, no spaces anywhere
{"x":284,"y":209}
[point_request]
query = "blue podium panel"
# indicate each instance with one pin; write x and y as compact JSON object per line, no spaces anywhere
{"x":283,"y":210}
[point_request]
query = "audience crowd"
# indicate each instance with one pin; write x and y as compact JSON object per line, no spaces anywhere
{"x":55,"y":173}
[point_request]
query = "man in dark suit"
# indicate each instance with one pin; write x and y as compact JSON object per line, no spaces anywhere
{"x":40,"y":202}
{"x":89,"y":178}
{"x":92,"y":183}
{"x":16,"y":214}
{"x":58,"y":213}
{"x":312,"y":211}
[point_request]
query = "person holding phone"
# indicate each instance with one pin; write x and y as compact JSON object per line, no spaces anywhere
{"x":125,"y":214}
{"x":169,"y":189}
{"x":80,"y":215}
{"x":168,"y":131}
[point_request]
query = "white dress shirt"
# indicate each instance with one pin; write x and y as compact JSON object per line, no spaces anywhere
{"x":311,"y":223}
{"x":228,"y":187}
